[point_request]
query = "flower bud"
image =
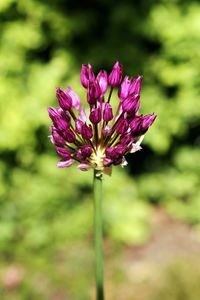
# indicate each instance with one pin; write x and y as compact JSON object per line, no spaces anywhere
{"x":126,"y":138}
{"x":95,"y":115}
{"x":86,"y":75}
{"x":136,"y":123}
{"x":64,"y":99}
{"x":53,"y":113}
{"x":63,"y":153}
{"x":58,"y":120}
{"x":84,"y":152}
{"x":86,"y":131}
{"x":124,"y":88}
{"x":147,"y":121}
{"x":116,"y":153}
{"x":122,"y":126}
{"x":115,"y":76}
{"x":75,"y":98}
{"x":94,"y":92}
{"x":131,"y":104}
{"x":107,"y":113}
{"x":56,"y":138}
{"x":135,"y":85}
{"x":102,"y":79}
{"x":69,"y":135}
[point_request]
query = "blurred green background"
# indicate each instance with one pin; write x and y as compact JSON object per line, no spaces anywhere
{"x":152,"y":207}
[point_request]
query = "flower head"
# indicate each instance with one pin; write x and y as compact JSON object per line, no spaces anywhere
{"x":104,"y":137}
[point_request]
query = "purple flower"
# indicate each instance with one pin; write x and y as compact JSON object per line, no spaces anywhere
{"x":115,"y":76}
{"x":135,"y":85}
{"x":103,"y":139}
{"x":64,"y":153}
{"x":131,"y":104}
{"x":86,"y":75}
{"x":94,"y":92}
{"x":124,"y":88}
{"x":130,"y":87}
{"x":60,"y":120}
{"x":147,"y":121}
{"x":86,"y":131}
{"x":74,"y":97}
{"x":95,"y":115}
{"x":84,"y":152}
{"x":65,"y":164}
{"x":102,"y":79}
{"x":64,"y":99}
{"x":69,"y":135}
{"x":122,"y":125}
{"x":56,"y":137}
{"x":107,"y":112}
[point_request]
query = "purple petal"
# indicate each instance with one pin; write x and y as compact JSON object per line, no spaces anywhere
{"x":122,"y":126}
{"x":60,"y":120}
{"x":135,"y":85}
{"x":124,"y":88}
{"x":94,"y":92}
{"x":147,"y":121}
{"x":84,"y":152}
{"x":84,"y":166}
{"x":86,"y":131}
{"x":65,"y":164}
{"x":107,"y":113}
{"x":95,"y":115}
{"x":64,"y":153}
{"x":74,"y":97}
{"x":78,"y":126}
{"x":131,"y":104}
{"x":82,"y":115}
{"x":102,"y":78}
{"x":86,"y":75}
{"x":56,"y":138}
{"x":64,"y":99}
{"x":115,"y":76}
{"x":69,"y":135}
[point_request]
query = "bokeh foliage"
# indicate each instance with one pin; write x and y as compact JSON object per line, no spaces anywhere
{"x":42,"y":45}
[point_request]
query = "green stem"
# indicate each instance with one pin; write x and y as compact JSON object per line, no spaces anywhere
{"x":98,"y":234}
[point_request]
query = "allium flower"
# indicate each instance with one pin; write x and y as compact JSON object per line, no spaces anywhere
{"x":104,"y":137}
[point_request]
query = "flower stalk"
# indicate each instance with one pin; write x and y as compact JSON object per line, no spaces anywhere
{"x":98,"y":230}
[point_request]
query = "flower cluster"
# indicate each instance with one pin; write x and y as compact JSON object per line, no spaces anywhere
{"x":106,"y":137}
